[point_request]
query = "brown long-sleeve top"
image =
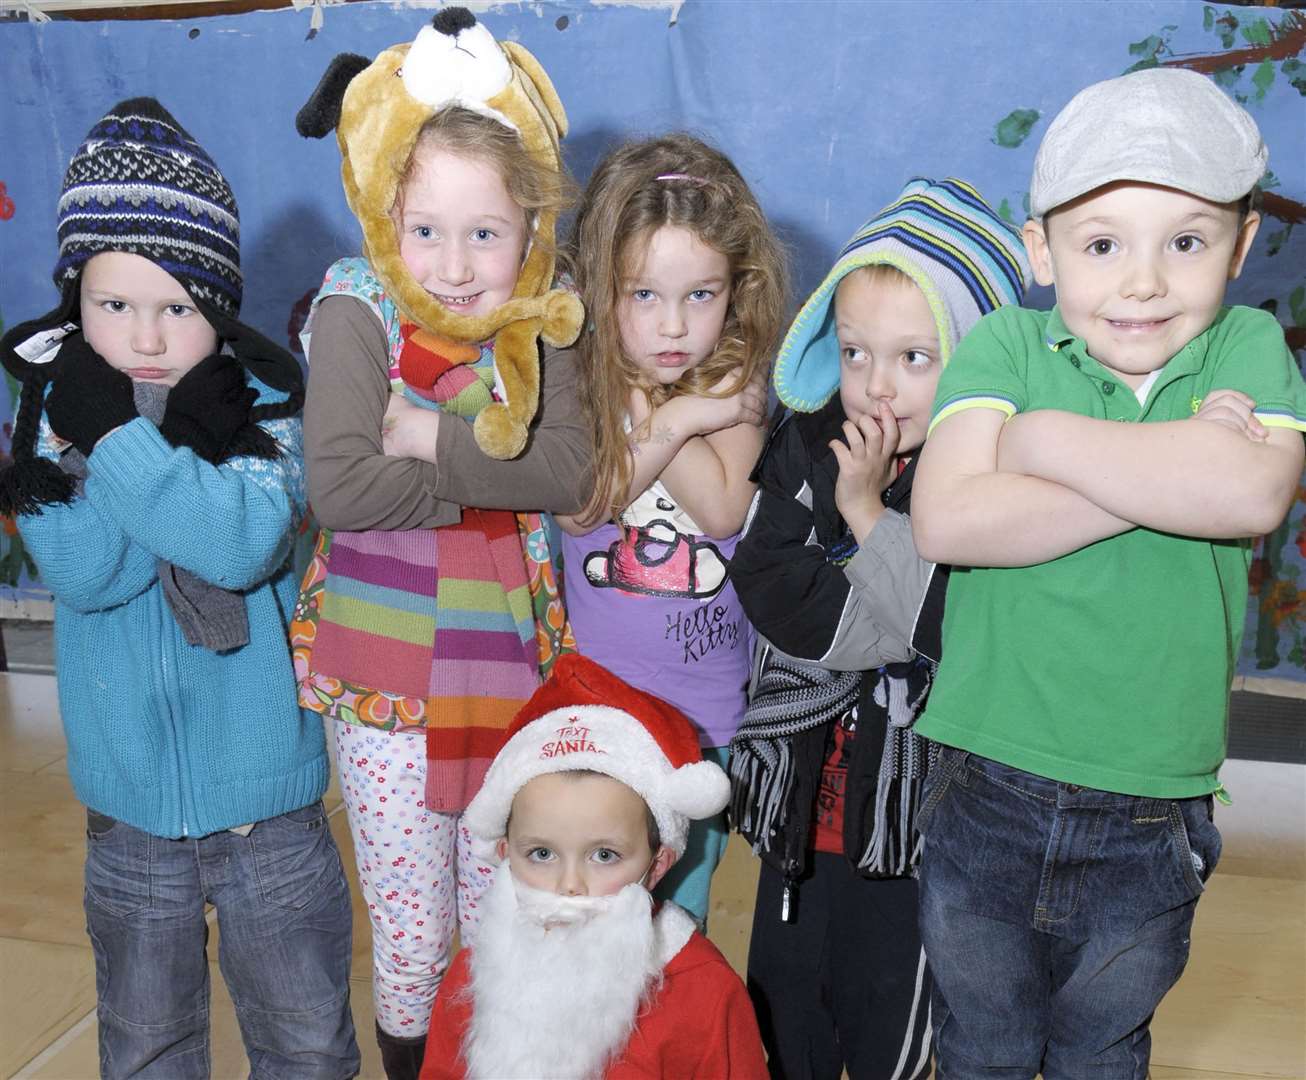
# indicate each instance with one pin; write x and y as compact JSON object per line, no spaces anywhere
{"x":352,"y":484}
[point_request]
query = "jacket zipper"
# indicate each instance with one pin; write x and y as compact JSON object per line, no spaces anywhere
{"x":788,"y":898}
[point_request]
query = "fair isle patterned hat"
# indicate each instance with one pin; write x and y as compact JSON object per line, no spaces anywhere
{"x":140,"y":184}
{"x":948,"y":240}
{"x":585,"y":717}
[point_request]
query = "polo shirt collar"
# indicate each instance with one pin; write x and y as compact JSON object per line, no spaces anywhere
{"x":1187,"y":360}
{"x":1056,"y":335}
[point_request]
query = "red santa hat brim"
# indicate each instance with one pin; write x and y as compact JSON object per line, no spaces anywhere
{"x":585,"y":717}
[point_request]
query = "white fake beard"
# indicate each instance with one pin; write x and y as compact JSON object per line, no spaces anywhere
{"x":557,"y":981}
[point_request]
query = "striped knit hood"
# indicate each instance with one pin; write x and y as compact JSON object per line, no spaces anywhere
{"x":948,"y":240}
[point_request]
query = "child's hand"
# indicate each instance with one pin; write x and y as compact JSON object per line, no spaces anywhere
{"x":89,"y":398}
{"x":408,"y":430}
{"x":752,"y":397}
{"x":867,"y":464}
{"x":209,"y":404}
{"x":1233,"y":409}
{"x":747,"y":406}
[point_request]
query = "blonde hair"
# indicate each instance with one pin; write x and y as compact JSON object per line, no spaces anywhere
{"x":676,"y":180}
{"x":880,"y":274}
{"x":532,"y":185}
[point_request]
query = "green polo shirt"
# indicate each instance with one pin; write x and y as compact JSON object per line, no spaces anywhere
{"x":1108,"y":667}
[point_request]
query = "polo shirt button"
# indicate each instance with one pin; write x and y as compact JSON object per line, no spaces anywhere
{"x":1108,"y":388}
{"x":1075,"y":360}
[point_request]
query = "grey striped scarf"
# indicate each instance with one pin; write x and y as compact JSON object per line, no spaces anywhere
{"x":786,"y":697}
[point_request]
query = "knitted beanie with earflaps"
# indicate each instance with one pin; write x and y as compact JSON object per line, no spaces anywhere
{"x":140,"y":184}
{"x":944,"y":237}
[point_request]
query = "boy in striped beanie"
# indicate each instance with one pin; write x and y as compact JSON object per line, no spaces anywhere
{"x":158,"y":483}
{"x":826,"y":771}
{"x":139,"y":185}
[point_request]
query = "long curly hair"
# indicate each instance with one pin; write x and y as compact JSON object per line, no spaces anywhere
{"x":677,"y":180}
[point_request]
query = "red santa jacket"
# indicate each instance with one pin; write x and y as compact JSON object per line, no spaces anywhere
{"x":699,"y":1027}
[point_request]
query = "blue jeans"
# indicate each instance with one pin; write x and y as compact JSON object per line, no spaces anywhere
{"x":285,"y":923}
{"x":1055,"y":918}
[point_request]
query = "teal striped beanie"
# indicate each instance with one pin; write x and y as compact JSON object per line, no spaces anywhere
{"x":948,"y":240}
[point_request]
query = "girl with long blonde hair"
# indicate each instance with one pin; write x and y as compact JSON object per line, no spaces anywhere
{"x":684,"y":287}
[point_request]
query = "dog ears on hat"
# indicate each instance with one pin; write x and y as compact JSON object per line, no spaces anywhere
{"x":540,"y":81}
{"x":321,"y":112}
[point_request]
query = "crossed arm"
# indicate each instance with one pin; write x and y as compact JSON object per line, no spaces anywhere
{"x":702,"y":449}
{"x":147,"y":501}
{"x":1046,"y":483}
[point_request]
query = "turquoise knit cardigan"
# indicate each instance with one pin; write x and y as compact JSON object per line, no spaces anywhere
{"x":169,"y":737}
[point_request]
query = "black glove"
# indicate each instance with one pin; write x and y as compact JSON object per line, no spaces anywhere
{"x":89,"y":398}
{"x":209,"y":404}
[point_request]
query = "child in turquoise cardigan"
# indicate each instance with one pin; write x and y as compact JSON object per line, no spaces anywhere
{"x":158,"y":483}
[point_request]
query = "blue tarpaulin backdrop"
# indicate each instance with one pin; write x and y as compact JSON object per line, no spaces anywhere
{"x":827,"y":108}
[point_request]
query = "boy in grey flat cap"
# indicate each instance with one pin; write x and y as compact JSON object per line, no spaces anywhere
{"x":1102,"y":468}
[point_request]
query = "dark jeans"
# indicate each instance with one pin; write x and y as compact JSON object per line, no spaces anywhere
{"x":844,"y":985}
{"x":285,"y":936}
{"x":1055,"y":918}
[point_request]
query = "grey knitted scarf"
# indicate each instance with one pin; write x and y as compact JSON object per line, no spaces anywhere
{"x":786,"y":697}
{"x":210,"y":617}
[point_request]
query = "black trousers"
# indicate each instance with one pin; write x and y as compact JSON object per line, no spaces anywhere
{"x":845,"y":984}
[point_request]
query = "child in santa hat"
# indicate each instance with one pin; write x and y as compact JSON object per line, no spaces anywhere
{"x":574,"y":973}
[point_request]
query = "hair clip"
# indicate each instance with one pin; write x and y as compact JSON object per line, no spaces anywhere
{"x":697,"y":180}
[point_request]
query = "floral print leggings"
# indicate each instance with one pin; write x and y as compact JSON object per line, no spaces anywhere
{"x":416,"y":871}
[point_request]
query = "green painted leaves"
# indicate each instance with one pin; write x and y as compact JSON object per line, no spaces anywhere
{"x":1014,"y":128}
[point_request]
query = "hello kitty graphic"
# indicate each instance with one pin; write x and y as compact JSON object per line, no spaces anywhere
{"x":659,"y":553}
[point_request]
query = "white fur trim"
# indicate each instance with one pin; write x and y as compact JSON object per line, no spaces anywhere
{"x":466,"y":69}
{"x":605,"y":740}
{"x":673,"y":926}
{"x":698,"y":790}
{"x":486,"y":111}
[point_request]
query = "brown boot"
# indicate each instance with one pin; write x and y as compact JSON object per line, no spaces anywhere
{"x":401,"y":1058}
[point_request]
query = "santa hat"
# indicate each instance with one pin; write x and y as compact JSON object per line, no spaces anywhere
{"x":585,"y":717}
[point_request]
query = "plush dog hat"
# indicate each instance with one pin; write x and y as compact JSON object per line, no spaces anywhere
{"x":377,"y":109}
{"x":585,"y":717}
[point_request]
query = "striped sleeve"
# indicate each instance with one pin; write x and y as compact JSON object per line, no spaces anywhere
{"x":985,"y":372}
{"x":1255,"y":359}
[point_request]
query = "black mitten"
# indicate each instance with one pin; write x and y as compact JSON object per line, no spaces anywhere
{"x":89,"y":398}
{"x":208,"y":406}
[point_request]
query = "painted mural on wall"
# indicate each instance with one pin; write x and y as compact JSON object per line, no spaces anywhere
{"x":794,"y":92}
